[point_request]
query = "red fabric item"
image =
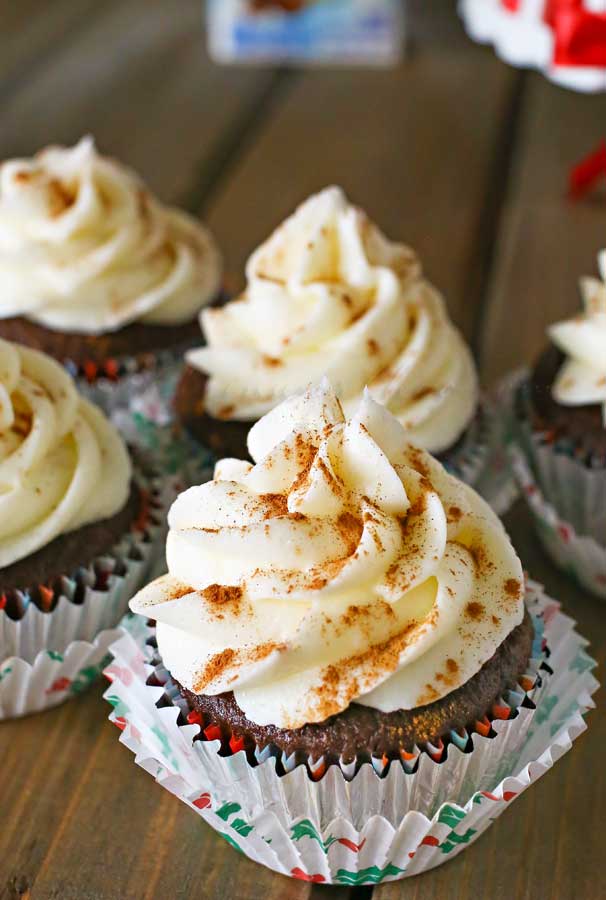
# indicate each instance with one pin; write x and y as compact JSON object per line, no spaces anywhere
{"x":584,"y":175}
{"x":553,"y":8}
{"x":579,"y":37}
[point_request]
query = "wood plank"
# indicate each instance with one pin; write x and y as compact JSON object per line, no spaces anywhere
{"x":31,"y":29}
{"x":140,"y":80}
{"x":81,"y":821}
{"x":545,"y":242}
{"x":549,"y":843}
{"x":400,"y":142}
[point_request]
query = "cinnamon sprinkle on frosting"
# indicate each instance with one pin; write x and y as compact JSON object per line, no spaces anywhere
{"x":347,"y":548}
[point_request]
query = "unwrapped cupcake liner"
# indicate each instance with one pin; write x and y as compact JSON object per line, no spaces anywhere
{"x":79,"y":605}
{"x":578,"y":555}
{"x":573,"y":484}
{"x":564,"y":41}
{"x":52,"y":677}
{"x":366,"y":827}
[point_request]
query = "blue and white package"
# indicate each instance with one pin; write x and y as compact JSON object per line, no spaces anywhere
{"x":361,"y":32}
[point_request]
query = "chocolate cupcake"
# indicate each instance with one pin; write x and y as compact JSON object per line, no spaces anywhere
{"x":340,"y":599}
{"x":561,"y":415}
{"x":95,"y":271}
{"x":328,"y":294}
{"x":80,"y":523}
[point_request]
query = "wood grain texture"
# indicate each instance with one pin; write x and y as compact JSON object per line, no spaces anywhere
{"x":547,"y":845}
{"x":80,"y":821}
{"x":453,"y":152}
{"x":137,"y":77}
{"x":402,"y":143}
{"x":32,"y":30}
{"x":544,"y":242}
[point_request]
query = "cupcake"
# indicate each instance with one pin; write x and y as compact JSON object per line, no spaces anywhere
{"x":80,"y":523}
{"x":328,"y":294}
{"x":340,"y":600}
{"x":95,"y":271}
{"x":345,"y":664}
{"x":559,"y":448}
{"x":562,"y":414}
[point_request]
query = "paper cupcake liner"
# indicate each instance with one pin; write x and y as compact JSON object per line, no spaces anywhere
{"x":521,"y":36}
{"x":578,"y":555}
{"x":149,"y":423}
{"x":468,"y":460}
{"x":52,"y":677}
{"x":574,"y":485}
{"x":496,"y":483}
{"x":480,"y":460}
{"x":81,"y":604}
{"x":484,"y":464}
{"x":506,"y":707}
{"x":370,"y":828}
{"x":115,"y":384}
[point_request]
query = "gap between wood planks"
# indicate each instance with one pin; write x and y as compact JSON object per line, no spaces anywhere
{"x":234,"y":142}
{"x":489,"y":223}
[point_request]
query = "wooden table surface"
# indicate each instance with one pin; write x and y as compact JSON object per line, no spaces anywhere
{"x":455,"y":153}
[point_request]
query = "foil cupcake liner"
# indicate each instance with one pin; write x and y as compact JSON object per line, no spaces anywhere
{"x":52,"y":677}
{"x":578,"y":555}
{"x":363,"y":827}
{"x":94,"y":598}
{"x":574,"y":485}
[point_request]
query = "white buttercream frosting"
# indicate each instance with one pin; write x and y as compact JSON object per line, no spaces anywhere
{"x":582,"y":378}
{"x":84,"y":246}
{"x":62,"y":463}
{"x":328,"y":294}
{"x":344,"y":565}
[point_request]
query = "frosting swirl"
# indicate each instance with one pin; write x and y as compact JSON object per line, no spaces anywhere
{"x":62,"y":464}
{"x":582,"y":378}
{"x":345,"y":565}
{"x":328,"y":294}
{"x":84,"y":247}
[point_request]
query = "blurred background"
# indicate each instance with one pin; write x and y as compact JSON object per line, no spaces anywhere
{"x":448,"y":148}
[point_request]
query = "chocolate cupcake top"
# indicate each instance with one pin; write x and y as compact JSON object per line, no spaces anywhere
{"x":345,"y":564}
{"x":581,"y":380}
{"x":85,"y":248}
{"x":62,"y":463}
{"x":328,"y":294}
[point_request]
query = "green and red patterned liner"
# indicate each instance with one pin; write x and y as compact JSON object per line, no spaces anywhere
{"x":370,"y":828}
